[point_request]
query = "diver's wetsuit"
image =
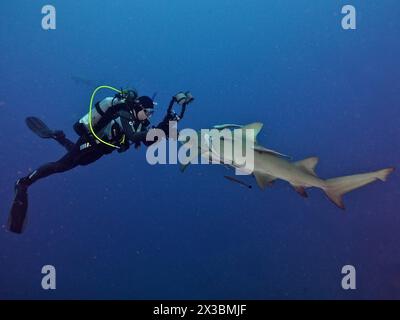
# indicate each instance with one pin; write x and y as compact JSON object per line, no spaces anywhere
{"x":74,"y":157}
{"x":88,"y":150}
{"x":119,"y":121}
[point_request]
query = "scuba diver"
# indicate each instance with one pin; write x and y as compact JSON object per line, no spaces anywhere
{"x":115,"y":123}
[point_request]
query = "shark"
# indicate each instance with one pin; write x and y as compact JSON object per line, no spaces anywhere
{"x":270,"y":165}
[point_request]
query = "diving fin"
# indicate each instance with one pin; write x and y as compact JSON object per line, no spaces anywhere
{"x":17,"y":218}
{"x":39,"y":128}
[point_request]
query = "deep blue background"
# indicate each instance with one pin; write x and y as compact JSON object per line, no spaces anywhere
{"x":123,"y":229}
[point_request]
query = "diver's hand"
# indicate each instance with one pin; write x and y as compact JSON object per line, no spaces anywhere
{"x":164,"y":124}
{"x":171,"y":116}
{"x":123,"y":148}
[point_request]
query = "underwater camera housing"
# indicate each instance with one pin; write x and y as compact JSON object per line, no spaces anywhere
{"x":184,"y":98}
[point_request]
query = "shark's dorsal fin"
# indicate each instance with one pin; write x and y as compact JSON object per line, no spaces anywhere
{"x":308,"y":164}
{"x":256,"y":126}
{"x":264,"y":180}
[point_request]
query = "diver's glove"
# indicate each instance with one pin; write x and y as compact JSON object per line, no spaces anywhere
{"x":164,"y":124}
{"x":171,"y":116}
{"x":182,"y":99}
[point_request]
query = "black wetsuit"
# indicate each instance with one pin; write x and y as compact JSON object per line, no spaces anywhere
{"x":86,"y":151}
{"x":117,"y":125}
{"x":74,"y":157}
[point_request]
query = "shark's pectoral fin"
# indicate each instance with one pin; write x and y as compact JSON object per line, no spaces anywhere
{"x":228,"y":126}
{"x":183,"y":167}
{"x":308,"y":165}
{"x":264,"y":180}
{"x":194,"y":156}
{"x":300,"y":190}
{"x":269,"y":151}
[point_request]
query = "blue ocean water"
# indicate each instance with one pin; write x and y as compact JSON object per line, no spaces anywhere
{"x":123,"y":229}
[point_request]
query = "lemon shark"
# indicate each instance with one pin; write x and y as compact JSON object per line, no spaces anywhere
{"x":270,"y":165}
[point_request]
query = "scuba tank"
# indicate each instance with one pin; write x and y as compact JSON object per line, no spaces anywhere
{"x":100,"y":114}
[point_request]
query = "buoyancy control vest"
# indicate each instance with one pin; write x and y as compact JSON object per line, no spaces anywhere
{"x":112,"y":119}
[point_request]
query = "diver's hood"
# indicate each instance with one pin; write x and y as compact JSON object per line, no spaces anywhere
{"x":144,"y":102}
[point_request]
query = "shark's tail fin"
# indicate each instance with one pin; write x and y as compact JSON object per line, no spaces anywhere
{"x":337,"y":187}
